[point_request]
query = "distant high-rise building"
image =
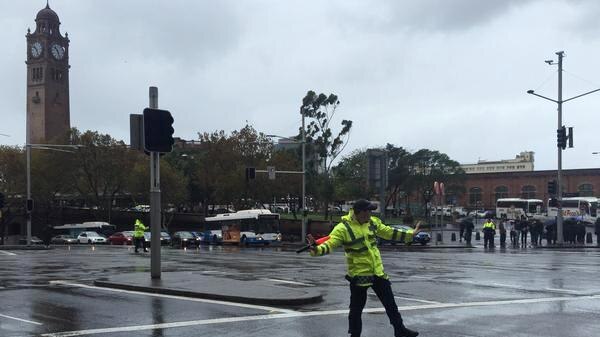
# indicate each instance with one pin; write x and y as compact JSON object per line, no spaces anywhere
{"x":48,"y":116}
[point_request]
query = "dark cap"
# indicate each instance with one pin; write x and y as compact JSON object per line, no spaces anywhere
{"x":363,"y":205}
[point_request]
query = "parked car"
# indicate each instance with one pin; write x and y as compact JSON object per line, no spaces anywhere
{"x":165,"y":238}
{"x":90,"y":237}
{"x":421,"y":237}
{"x":182,"y":239}
{"x":209,"y":237}
{"x":63,"y":240}
{"x":121,"y":238}
{"x":34,"y":241}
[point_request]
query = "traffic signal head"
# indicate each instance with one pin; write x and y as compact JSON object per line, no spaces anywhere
{"x":158,"y":130}
{"x":250,"y":173}
{"x":561,"y":137}
{"x":552,"y":187}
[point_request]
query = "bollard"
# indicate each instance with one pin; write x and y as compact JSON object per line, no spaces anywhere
{"x":453,"y":237}
{"x":477,"y":236}
{"x":439,"y":237}
{"x":588,"y":238}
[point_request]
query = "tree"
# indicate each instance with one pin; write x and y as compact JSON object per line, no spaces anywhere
{"x":350,"y":176}
{"x":323,"y":146}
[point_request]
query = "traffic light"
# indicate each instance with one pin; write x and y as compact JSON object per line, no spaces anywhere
{"x":158,"y":130}
{"x":552,"y":187}
{"x":1,"y":200}
{"x":250,"y":173}
{"x":561,"y":137}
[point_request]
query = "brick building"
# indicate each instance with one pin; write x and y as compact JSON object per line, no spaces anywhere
{"x":483,"y":189}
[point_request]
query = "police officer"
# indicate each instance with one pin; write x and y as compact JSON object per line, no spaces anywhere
{"x":489,"y":230}
{"x":138,"y":235}
{"x":358,"y":233}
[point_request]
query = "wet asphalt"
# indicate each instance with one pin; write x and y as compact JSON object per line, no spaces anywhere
{"x":440,"y":292}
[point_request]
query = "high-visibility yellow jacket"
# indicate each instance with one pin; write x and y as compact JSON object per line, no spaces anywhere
{"x":490,"y":225}
{"x":360,"y":244}
{"x":139,"y":229}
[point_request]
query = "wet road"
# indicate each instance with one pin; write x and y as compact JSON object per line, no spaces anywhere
{"x":441,"y":292}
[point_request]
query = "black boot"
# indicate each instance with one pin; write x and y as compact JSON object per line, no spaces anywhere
{"x":405,"y":332}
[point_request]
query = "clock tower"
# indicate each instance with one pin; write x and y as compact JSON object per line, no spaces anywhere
{"x":48,"y":116}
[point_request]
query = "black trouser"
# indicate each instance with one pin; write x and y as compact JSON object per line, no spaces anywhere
{"x":468,"y":236}
{"x":358,"y":298}
{"x":461,"y":234}
{"x":488,"y":238}
{"x":524,"y":239}
{"x":139,"y":242}
{"x":502,"y":239}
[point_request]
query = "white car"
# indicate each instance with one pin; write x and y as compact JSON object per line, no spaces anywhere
{"x":90,"y":237}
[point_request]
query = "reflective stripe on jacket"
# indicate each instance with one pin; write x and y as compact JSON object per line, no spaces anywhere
{"x":490,"y":226}
{"x":360,"y":244}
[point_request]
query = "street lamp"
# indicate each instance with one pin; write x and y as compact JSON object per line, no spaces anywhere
{"x":303,"y":142}
{"x":559,"y":102}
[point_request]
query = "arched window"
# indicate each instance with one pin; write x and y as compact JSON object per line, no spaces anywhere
{"x":586,"y":190}
{"x":474,"y":196}
{"x":528,"y":192}
{"x":501,"y":192}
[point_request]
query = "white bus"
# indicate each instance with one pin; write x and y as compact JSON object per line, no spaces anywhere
{"x":517,"y":208}
{"x":586,"y":207}
{"x":92,"y":226}
{"x":253,"y":226}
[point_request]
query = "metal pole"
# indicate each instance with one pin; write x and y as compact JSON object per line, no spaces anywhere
{"x":559,"y":218}
{"x":303,"y":179}
{"x":28,"y":154}
{"x":155,"y":209}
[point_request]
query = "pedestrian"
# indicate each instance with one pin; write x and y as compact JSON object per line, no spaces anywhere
{"x":138,"y":235}
{"x":461,"y":228}
{"x":597,"y":224}
{"x":524,"y":231}
{"x":540,"y":229}
{"x":469,"y":228}
{"x":47,"y":235}
{"x":357,"y":232}
{"x":502,"y":229}
{"x":534,"y":234}
{"x":514,"y":238}
{"x":489,"y":231}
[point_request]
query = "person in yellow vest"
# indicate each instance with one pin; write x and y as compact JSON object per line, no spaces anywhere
{"x":489,"y":231}
{"x":357,"y":233}
{"x":138,"y":235}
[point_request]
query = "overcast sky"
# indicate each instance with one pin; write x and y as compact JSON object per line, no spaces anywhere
{"x":447,"y":75}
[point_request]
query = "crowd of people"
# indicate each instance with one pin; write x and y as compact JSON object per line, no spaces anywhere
{"x":526,"y":232}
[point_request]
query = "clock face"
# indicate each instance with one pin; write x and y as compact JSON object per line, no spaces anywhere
{"x":58,"y":51}
{"x":36,"y":49}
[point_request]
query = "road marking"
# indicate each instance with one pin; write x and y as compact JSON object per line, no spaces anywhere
{"x":20,"y":319}
{"x":290,"y":282}
{"x":309,"y":314}
{"x":416,"y":300}
{"x":7,"y":253}
{"x":234,"y":304}
{"x":507,"y":286}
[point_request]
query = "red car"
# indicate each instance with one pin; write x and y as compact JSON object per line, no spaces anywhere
{"x":121,"y":238}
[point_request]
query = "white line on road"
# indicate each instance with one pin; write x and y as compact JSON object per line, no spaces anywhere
{"x":309,"y":314}
{"x":234,"y":304}
{"x":416,"y":300}
{"x":20,"y":319}
{"x":290,"y":282}
{"x":7,"y":253}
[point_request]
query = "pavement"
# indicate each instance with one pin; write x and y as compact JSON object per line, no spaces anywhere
{"x":198,"y":285}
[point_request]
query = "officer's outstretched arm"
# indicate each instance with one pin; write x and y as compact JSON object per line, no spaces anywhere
{"x":394,"y":234}
{"x":336,"y":238}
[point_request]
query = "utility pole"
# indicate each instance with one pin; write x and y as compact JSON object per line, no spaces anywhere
{"x":303,"y":178}
{"x":155,"y":209}
{"x":559,"y":191}
{"x":559,"y":102}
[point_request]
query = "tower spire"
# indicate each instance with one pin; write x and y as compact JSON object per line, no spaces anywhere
{"x":47,"y":4}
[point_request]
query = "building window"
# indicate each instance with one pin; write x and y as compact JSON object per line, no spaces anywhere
{"x":501,"y":192}
{"x":528,"y":192}
{"x":474,"y":196}
{"x":586,"y":190}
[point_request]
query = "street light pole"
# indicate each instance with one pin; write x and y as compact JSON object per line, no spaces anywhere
{"x":28,"y":154}
{"x":303,"y":179}
{"x":559,"y":102}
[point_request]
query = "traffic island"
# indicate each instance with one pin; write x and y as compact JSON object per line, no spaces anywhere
{"x":197,"y":285}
